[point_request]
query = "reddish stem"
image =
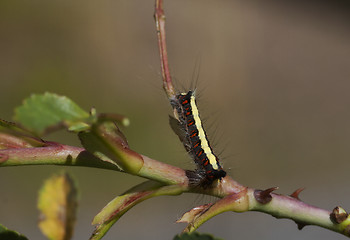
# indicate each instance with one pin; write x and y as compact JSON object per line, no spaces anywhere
{"x":160,"y":24}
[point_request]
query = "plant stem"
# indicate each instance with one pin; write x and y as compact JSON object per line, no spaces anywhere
{"x":59,"y":154}
{"x":303,"y":214}
{"x":163,"y":53}
{"x":54,"y":154}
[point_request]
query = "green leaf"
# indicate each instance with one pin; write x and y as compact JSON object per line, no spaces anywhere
{"x":7,"y":234}
{"x":42,"y":111}
{"x":58,"y":204}
{"x":195,"y":236}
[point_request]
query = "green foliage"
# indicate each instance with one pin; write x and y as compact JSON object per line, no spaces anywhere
{"x":195,"y":236}
{"x":42,"y":111}
{"x":7,"y":234}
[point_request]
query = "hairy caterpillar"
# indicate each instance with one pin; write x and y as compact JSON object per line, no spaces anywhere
{"x":188,"y":126}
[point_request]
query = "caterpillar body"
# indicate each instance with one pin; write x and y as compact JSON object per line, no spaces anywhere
{"x":188,"y":126}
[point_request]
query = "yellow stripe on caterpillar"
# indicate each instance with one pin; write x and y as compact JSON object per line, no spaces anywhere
{"x":201,"y":134}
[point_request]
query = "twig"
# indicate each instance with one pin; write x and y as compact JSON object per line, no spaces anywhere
{"x":59,"y":154}
{"x":163,"y":53}
{"x":238,"y":198}
{"x":235,"y":197}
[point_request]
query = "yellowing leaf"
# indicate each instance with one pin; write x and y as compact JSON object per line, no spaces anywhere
{"x":57,"y":204}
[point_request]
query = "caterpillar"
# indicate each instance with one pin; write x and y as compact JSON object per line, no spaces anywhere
{"x":188,"y":126}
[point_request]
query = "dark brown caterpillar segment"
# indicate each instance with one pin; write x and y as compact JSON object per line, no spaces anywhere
{"x":190,"y":130}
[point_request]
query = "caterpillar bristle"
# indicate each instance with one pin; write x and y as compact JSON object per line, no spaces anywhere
{"x":188,"y":126}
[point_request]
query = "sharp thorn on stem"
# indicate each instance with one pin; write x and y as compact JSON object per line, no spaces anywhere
{"x":300,"y":225}
{"x":296,"y":193}
{"x":264,"y":196}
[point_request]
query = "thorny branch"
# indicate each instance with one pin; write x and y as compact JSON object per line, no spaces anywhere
{"x":234,"y":196}
{"x":255,"y":200}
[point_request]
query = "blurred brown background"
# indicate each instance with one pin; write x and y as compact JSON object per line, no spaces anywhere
{"x":274,"y":92}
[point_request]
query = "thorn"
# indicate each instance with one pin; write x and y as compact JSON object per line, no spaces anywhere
{"x":264,"y":196}
{"x":338,"y":215}
{"x":300,"y":225}
{"x":296,"y":193}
